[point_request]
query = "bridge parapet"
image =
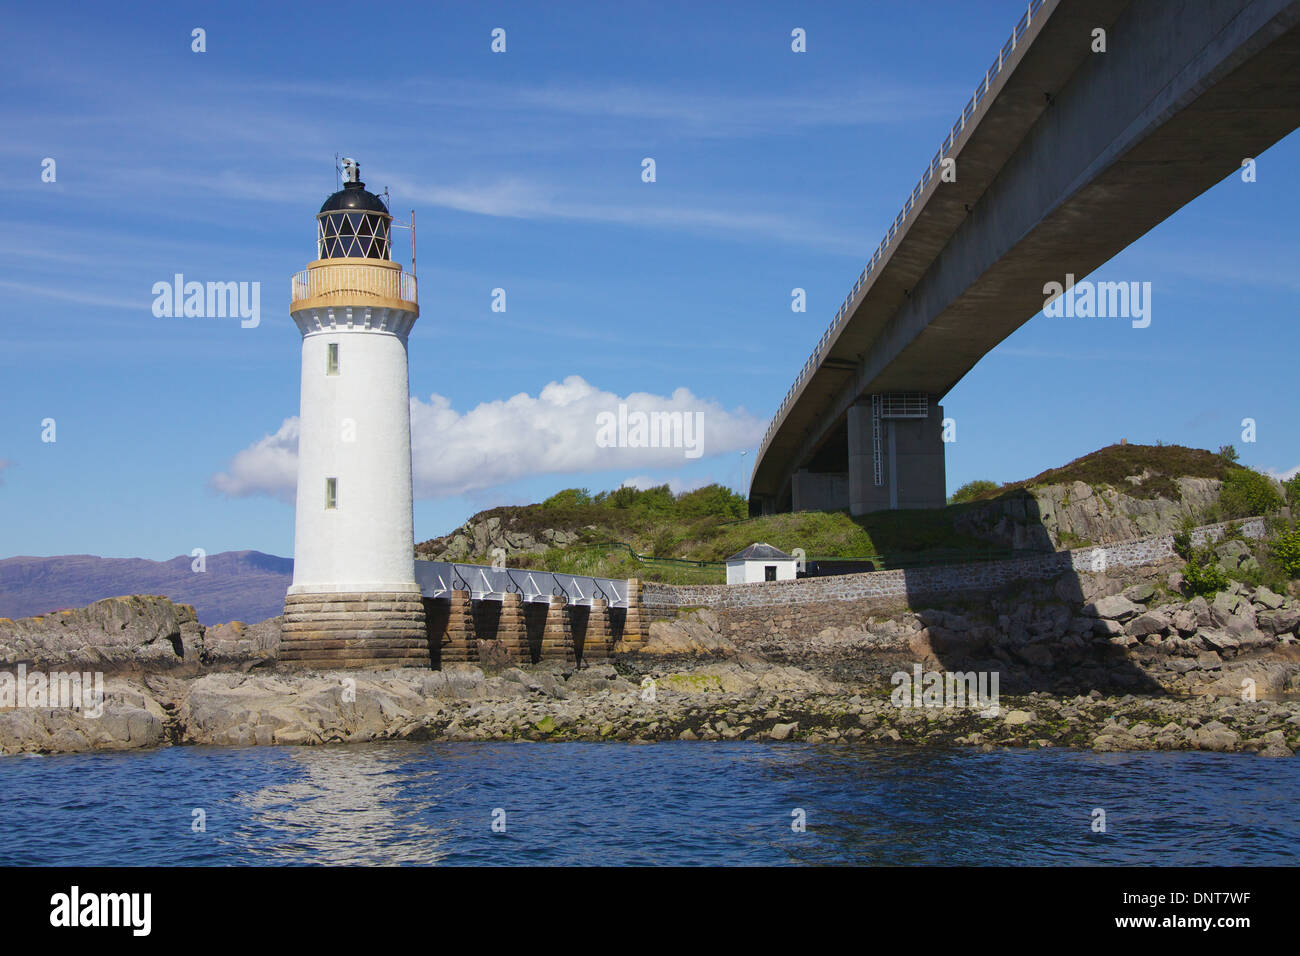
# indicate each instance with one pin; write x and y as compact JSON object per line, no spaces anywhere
{"x":438,"y":579}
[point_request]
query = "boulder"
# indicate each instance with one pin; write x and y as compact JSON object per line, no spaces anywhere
{"x":1219,"y":640}
{"x":1280,"y":621}
{"x":783,"y":731}
{"x":1215,"y":736}
{"x":242,"y":645}
{"x":1149,"y":622}
{"x":1140,"y":593}
{"x":1115,"y":607}
{"x":1269,"y":599}
{"x":697,"y":633}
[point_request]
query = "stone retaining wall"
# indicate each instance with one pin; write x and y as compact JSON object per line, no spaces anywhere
{"x":892,"y":588}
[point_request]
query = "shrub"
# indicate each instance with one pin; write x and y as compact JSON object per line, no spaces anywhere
{"x":1203,"y":575}
{"x":1246,"y":492}
{"x":1292,"y":488}
{"x":1285,"y":549}
{"x":1183,"y":544}
{"x":713,"y":501}
{"x":1228,"y":453}
{"x":972,"y":490}
{"x":568,"y":498}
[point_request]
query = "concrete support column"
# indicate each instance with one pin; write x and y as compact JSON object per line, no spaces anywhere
{"x":557,"y":639}
{"x":511,"y":629}
{"x":596,"y":644}
{"x":864,"y":496}
{"x":911,"y":461}
{"x":460,"y":642}
{"x":819,"y":491}
{"x":916,"y":457}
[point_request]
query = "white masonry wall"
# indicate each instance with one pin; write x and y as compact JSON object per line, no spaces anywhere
{"x":750,"y":572}
{"x":355,"y":426}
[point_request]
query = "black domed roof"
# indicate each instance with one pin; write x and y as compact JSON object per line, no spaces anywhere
{"x":354,"y":196}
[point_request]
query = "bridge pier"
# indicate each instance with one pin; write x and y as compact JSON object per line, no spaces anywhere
{"x":557,"y":638}
{"x":896,"y":455}
{"x":595,"y":639}
{"x":636,"y":624}
{"x":819,"y":491}
{"x":512,"y":630}
{"x":460,"y":640}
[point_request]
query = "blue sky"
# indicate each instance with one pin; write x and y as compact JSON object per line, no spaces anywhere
{"x":775,"y":170}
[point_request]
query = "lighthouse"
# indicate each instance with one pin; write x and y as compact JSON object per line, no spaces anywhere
{"x":354,"y":601}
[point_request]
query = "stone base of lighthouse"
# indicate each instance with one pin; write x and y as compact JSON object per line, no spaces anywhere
{"x":350,"y":630}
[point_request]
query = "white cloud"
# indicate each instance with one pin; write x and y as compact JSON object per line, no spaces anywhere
{"x":497,"y":442}
{"x":1284,"y":475}
{"x":269,"y":466}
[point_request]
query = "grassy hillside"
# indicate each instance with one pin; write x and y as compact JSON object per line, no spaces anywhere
{"x":680,"y":539}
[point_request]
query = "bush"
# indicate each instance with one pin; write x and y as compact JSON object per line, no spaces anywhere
{"x":1183,"y":544}
{"x":1228,"y":453}
{"x":1246,"y":493}
{"x":1285,"y":549}
{"x":568,"y":498}
{"x":1292,"y":489}
{"x":972,"y":490}
{"x":1203,"y":575}
{"x":713,"y":501}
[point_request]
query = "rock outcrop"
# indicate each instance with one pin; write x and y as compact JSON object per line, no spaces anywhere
{"x":137,"y":633}
{"x":478,"y":538}
{"x":1050,"y":517}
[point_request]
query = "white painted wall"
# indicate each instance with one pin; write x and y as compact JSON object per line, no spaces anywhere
{"x":367,"y":542}
{"x":749,"y":572}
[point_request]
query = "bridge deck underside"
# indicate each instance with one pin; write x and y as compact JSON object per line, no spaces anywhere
{"x":1064,"y":183}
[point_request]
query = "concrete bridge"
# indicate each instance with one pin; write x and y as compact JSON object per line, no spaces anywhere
{"x":1062,"y":158}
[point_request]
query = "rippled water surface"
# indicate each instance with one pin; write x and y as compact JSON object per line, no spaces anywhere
{"x":670,"y":803}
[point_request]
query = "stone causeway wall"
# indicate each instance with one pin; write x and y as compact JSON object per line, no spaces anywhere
{"x":893,"y":588}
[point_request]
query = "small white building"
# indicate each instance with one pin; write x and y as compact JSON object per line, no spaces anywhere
{"x":761,"y":562}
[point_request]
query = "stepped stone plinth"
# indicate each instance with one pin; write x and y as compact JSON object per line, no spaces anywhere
{"x":350,"y":630}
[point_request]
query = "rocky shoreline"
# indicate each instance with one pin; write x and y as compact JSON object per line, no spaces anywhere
{"x":1121,"y":663}
{"x":739,"y":698}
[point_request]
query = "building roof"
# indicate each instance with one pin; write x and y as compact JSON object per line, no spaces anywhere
{"x":761,"y":552}
{"x":354,"y":196}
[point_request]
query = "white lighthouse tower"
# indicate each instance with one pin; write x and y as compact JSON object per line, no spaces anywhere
{"x":354,"y":601}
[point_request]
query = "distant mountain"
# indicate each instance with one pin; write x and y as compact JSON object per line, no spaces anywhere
{"x":244,"y":586}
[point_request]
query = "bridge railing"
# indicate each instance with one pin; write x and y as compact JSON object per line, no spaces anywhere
{"x":439,"y":578}
{"x":896,"y":227}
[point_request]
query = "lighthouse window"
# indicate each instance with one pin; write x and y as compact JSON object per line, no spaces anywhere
{"x":331,"y":493}
{"x":332,"y":359}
